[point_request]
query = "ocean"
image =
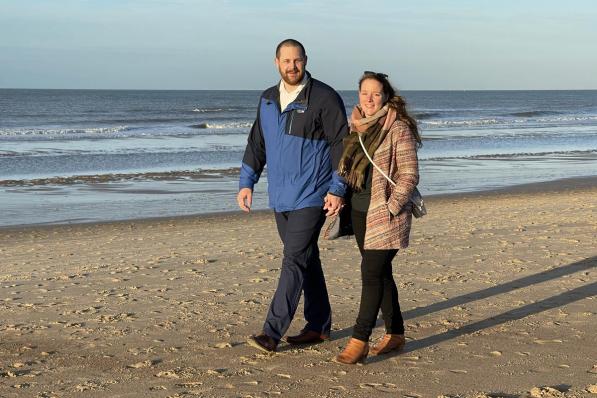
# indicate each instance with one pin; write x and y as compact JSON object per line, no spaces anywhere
{"x":71,"y":156}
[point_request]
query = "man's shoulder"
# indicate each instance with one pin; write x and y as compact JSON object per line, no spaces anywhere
{"x":270,"y":93}
{"x":323,"y":88}
{"x":324,"y":94}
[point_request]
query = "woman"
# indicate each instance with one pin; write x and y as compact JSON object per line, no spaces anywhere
{"x":381,"y":211}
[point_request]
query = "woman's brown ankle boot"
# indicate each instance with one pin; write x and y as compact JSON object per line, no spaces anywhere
{"x":387,"y":343}
{"x":356,"y":350}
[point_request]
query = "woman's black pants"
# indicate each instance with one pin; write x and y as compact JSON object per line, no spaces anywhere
{"x":379,"y":289}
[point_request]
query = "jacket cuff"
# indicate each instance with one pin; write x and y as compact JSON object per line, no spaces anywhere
{"x":338,"y":185}
{"x":393,"y":208}
{"x":248,"y":177}
{"x":245,"y":183}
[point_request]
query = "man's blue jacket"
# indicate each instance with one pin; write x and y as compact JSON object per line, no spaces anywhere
{"x":301,"y":144}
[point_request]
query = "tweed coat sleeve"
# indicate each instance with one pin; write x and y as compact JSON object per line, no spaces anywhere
{"x":405,"y":167}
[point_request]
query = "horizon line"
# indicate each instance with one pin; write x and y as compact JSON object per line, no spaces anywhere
{"x":337,"y":89}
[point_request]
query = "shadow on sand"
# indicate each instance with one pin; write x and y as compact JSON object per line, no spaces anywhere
{"x":562,"y":299}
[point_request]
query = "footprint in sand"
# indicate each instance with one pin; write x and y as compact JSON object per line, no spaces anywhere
{"x":145,"y":364}
{"x":189,"y":384}
{"x":168,"y":374}
{"x":9,"y":374}
{"x":545,"y":392}
{"x":139,"y":365}
{"x":250,"y":301}
{"x":387,"y":387}
{"x":23,"y":385}
{"x":542,"y":342}
{"x":217,"y":371}
{"x":116,"y":318}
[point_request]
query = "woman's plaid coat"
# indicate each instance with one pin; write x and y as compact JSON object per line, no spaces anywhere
{"x":389,"y":216}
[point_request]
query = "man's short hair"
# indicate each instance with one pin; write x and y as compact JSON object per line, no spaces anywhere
{"x":291,"y":43}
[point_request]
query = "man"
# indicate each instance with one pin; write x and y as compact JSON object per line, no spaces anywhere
{"x":299,"y":129}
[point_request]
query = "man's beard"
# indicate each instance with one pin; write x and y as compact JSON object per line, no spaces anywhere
{"x":292,"y":81}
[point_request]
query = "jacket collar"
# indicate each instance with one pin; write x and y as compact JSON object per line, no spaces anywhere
{"x":302,"y":100}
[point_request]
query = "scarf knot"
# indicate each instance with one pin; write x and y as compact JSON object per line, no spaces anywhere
{"x":373,"y":130}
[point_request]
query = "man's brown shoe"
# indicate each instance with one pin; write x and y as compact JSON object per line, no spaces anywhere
{"x":389,"y":342}
{"x":263,"y":342}
{"x":307,"y":337}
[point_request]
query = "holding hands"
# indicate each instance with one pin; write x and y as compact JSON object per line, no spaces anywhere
{"x":333,"y":204}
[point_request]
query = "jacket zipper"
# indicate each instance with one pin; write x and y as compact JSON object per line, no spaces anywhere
{"x":291,"y":119}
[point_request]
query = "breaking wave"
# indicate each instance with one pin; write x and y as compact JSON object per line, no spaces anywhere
{"x":65,"y":132}
{"x":533,"y":113}
{"x":202,"y":174}
{"x":513,"y":156}
{"x":219,"y":126}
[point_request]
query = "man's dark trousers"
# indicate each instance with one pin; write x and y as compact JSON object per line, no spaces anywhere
{"x":301,"y":271}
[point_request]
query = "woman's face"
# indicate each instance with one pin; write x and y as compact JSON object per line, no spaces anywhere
{"x":371,"y":97}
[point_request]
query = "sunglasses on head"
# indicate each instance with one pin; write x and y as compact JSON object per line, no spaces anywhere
{"x":382,"y":75}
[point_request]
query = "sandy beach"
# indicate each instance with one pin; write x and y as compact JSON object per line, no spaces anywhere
{"x":498,"y":293}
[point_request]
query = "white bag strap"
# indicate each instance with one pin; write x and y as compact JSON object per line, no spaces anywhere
{"x":415,"y":198}
{"x":371,"y":160}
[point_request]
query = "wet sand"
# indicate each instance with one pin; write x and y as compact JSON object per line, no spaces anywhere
{"x":497,"y":289}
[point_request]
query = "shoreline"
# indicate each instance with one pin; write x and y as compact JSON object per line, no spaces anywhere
{"x":566,"y":184}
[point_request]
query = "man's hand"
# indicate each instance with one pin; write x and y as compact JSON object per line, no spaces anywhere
{"x":244,"y":199}
{"x":333,"y":204}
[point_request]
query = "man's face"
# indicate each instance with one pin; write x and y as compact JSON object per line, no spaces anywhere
{"x":291,"y":63}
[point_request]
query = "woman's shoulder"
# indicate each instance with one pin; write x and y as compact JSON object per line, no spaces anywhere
{"x":400,"y":127}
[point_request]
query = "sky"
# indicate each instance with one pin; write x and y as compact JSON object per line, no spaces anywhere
{"x":219,"y":44}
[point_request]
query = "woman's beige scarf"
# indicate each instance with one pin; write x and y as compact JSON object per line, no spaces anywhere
{"x":373,"y":130}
